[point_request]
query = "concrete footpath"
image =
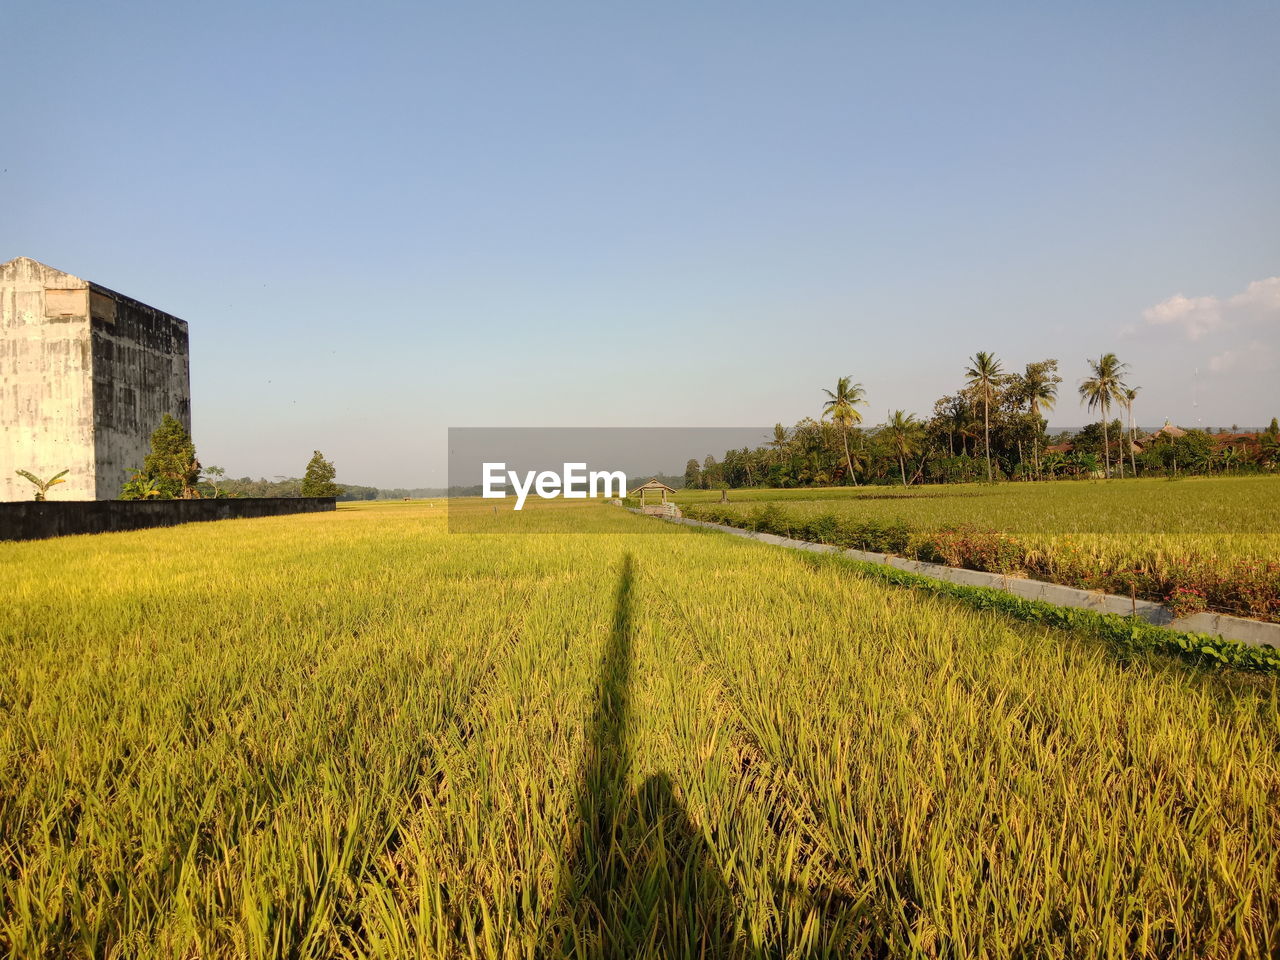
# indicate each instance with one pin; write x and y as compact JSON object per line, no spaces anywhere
{"x":1254,"y":633}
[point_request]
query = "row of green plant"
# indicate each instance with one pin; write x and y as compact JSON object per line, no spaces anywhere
{"x":1128,"y":634}
{"x":1244,"y":586}
{"x":171,"y":471}
{"x":992,"y":428}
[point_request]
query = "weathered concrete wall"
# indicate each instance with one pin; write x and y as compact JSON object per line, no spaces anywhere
{"x":140,"y":373}
{"x":46,"y":395}
{"x":37,"y":521}
{"x":86,"y":374}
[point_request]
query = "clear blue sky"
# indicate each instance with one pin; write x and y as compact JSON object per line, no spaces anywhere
{"x":382,"y":220}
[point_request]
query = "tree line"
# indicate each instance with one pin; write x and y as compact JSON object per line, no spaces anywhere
{"x":991,"y":428}
{"x":172,"y":471}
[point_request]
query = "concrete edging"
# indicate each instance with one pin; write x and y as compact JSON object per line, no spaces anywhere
{"x":1254,"y":633}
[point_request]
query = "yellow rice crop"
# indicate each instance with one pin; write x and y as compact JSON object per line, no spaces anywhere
{"x":359,"y":735}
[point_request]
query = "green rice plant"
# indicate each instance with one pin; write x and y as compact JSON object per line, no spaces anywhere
{"x":358,"y":735}
{"x":1211,"y":545}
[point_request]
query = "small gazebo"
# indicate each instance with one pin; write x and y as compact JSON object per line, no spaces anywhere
{"x":653,"y":484}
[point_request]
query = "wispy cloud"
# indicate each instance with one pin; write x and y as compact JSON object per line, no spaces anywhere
{"x":1256,"y":357}
{"x":1198,"y":317}
{"x":1261,"y":295}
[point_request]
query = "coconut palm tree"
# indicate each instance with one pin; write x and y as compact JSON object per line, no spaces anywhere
{"x":1099,"y":391}
{"x":841,"y":407}
{"x":1130,"y":394}
{"x":780,"y":440}
{"x":42,"y":486}
{"x":1040,"y":391}
{"x":984,"y":376}
{"x":904,"y":436}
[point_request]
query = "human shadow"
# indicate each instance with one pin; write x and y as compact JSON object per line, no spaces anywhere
{"x":641,"y":880}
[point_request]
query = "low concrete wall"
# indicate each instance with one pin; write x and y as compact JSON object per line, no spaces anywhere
{"x":1251,"y":632}
{"x":29,"y":520}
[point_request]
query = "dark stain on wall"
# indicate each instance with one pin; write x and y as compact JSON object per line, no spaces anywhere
{"x":141,"y":360}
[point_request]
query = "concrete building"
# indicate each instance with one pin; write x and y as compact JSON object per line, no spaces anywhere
{"x":85,"y":375}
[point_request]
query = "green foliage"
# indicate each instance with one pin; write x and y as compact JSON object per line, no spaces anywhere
{"x":1104,"y":387}
{"x":989,"y":551}
{"x":692,"y":475}
{"x":984,"y":377}
{"x":712,"y":476}
{"x":842,"y":403}
{"x":997,"y":417}
{"x":1131,"y":634}
{"x":292,"y":487}
{"x":960,"y":469}
{"x":141,"y":487}
{"x":215,"y":476}
{"x":841,"y":408}
{"x":171,"y":470}
{"x":1201,"y":562}
{"x":318,"y":480}
{"x":1089,"y":439}
{"x":42,"y":486}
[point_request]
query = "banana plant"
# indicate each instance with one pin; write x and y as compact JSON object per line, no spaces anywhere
{"x":42,"y":486}
{"x":141,"y":488}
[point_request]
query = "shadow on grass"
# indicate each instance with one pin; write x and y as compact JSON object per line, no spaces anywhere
{"x":642,"y":881}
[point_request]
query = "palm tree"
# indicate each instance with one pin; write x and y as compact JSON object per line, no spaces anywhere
{"x":1130,"y":394}
{"x":904,"y":435}
{"x":984,"y":377}
{"x":1098,"y":391}
{"x":780,"y":440}
{"x":842,"y":409}
{"x":42,"y":486}
{"x":1040,"y":391}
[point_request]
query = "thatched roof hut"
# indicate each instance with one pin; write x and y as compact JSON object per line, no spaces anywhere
{"x":1168,"y":431}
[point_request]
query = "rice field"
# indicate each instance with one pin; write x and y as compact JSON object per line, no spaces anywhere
{"x":358,"y":735}
{"x":1214,"y":543}
{"x":1230,"y":506}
